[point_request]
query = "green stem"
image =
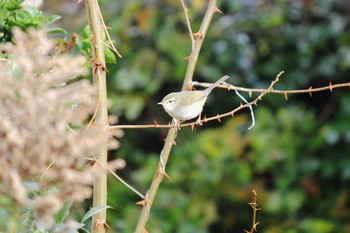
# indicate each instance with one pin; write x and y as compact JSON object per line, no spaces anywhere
{"x":99,"y":76}
{"x":170,"y":139}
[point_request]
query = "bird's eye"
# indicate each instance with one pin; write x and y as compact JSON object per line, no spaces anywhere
{"x":170,"y":101}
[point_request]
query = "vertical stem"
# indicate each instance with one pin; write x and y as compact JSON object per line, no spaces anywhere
{"x":99,"y":77}
{"x":198,"y":44}
{"x":170,"y":139}
{"x":157,"y":179}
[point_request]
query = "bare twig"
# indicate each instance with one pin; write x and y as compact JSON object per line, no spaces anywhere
{"x":309,"y":91}
{"x":126,"y":184}
{"x":188,"y":23}
{"x":112,"y":47}
{"x":254,"y":102}
{"x":255,"y":208}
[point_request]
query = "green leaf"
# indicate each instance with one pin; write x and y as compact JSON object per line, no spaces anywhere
{"x":51,"y":19}
{"x":57,"y":31}
{"x":27,"y":17}
{"x":109,"y":55}
{"x":83,"y":45}
{"x":93,"y":211}
{"x":64,"y":211}
{"x":86,"y":32}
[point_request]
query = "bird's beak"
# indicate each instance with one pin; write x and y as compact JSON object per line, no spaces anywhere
{"x":161,"y":103}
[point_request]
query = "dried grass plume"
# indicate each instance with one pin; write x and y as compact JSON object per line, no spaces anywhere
{"x":42,"y":159}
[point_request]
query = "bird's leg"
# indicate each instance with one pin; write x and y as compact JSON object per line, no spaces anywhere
{"x":198,"y":122}
{"x":177,"y":124}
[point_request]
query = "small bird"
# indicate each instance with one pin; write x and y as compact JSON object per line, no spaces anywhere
{"x":185,"y":105}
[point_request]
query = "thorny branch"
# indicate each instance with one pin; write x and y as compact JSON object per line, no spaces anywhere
{"x":263,"y":92}
{"x":171,"y":136}
{"x":112,"y":47}
{"x":310,"y":90}
{"x":255,"y":208}
{"x":188,"y":23}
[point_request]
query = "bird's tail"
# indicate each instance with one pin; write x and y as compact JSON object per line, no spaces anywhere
{"x":217,"y":83}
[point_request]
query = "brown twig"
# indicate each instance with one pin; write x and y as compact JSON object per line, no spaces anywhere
{"x":254,"y":102}
{"x":309,"y":91}
{"x":330,"y":87}
{"x":112,"y":47}
{"x":188,"y":23}
{"x":255,"y":208}
{"x":126,"y":184}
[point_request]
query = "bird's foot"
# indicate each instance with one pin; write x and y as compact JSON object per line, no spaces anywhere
{"x":198,"y":122}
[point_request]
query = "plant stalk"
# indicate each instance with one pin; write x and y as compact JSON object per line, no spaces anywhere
{"x":170,"y":139}
{"x":99,"y":78}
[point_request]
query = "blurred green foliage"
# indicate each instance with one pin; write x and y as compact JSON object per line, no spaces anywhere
{"x":12,"y":14}
{"x":297,"y":155}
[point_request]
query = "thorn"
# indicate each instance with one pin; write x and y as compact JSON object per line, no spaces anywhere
{"x":256,"y":225}
{"x":219,"y":119}
{"x":155,"y":123}
{"x":286,"y":96}
{"x":205,"y":118}
{"x":259,"y":98}
{"x":186,"y":58}
{"x":330,"y":86}
{"x":142,"y":202}
{"x":250,"y":94}
{"x":310,"y":91}
{"x":253,"y":205}
{"x":93,"y":162}
{"x":165,"y":174}
{"x":198,"y":34}
{"x":232,"y":114}
{"x":174,"y":143}
{"x":217,"y":10}
{"x":106,"y":225}
{"x":240,"y":104}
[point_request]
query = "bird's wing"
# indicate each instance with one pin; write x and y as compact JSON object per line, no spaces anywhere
{"x":198,"y":96}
